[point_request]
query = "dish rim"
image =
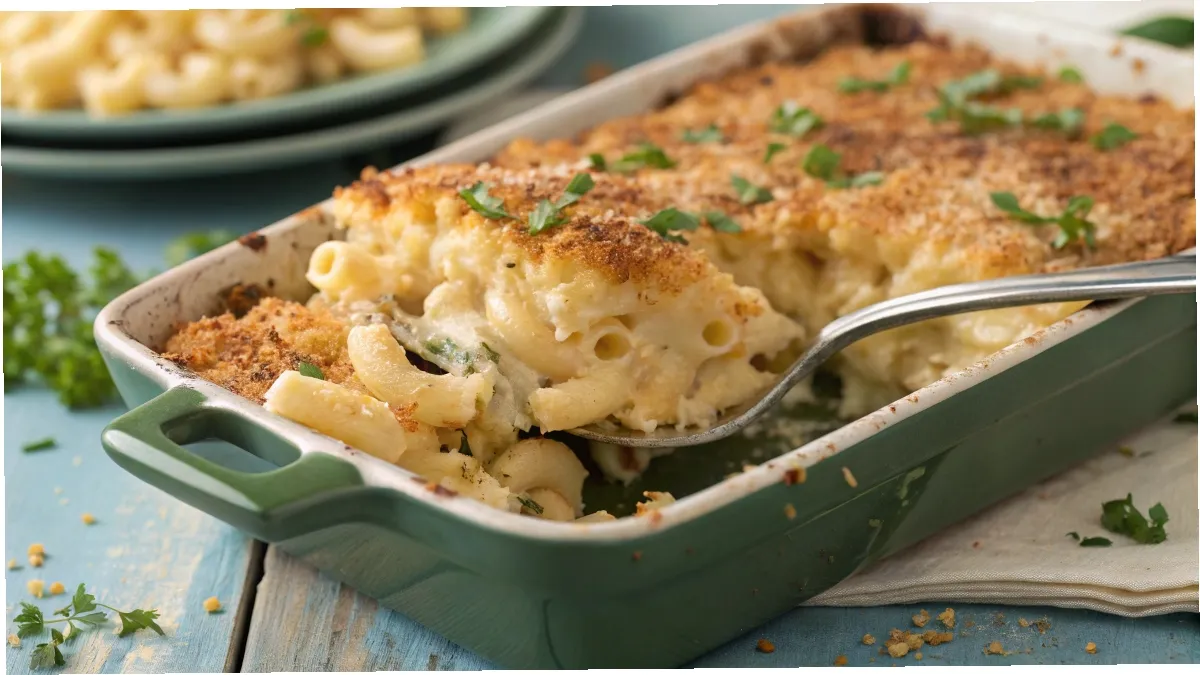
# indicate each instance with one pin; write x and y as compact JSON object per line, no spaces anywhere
{"x":307,"y":102}
{"x":377,"y":473}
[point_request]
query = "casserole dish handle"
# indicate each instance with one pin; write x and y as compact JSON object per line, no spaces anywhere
{"x":149,"y":440}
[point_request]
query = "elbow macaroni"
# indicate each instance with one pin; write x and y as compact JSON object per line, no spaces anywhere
{"x":61,"y":59}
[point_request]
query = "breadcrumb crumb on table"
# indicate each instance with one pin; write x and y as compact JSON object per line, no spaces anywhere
{"x":36,"y":560}
{"x":765,"y":646}
{"x":789,"y":511}
{"x":1090,"y":648}
{"x":88,"y":519}
{"x":840,"y":660}
{"x":868,"y":639}
{"x":12,"y":564}
{"x":934,"y":638}
{"x":850,"y":479}
{"x":898,"y":650}
{"x":57,"y":588}
{"x":919,"y":620}
{"x":1023,"y":622}
{"x":212,"y":605}
{"x":995,"y":649}
{"x":36,"y":587}
{"x":947,"y":618}
{"x":14,"y":640}
{"x":917,"y":656}
{"x":37,"y":549}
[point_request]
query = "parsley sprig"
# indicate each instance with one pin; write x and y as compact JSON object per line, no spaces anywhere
{"x":1120,"y":516}
{"x":897,"y":77}
{"x":789,"y":118}
{"x":80,"y":613}
{"x":1090,"y":541}
{"x":772,"y":150}
{"x":1070,"y":74}
{"x":549,"y":214}
{"x":48,"y":312}
{"x":486,"y":205}
{"x":1072,"y":223}
{"x":671,"y":220}
{"x":823,"y":163}
{"x":1069,"y":121}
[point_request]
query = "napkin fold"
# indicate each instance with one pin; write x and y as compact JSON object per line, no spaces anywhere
{"x":1018,"y":552}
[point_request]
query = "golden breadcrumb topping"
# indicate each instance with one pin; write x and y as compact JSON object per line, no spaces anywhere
{"x":246,"y":355}
{"x":936,"y":179}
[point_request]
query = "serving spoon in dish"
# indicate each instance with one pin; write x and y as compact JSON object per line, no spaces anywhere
{"x":1173,"y":274}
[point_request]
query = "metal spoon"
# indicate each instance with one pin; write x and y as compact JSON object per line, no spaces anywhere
{"x":1174,"y":274}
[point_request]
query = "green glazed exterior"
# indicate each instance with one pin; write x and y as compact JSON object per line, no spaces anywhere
{"x":526,"y":602}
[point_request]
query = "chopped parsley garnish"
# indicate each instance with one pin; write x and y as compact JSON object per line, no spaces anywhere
{"x":315,"y":36}
{"x":309,"y":370}
{"x":1089,"y":541}
{"x":671,"y":220}
{"x":749,"y":193}
{"x":598,"y":162}
{"x":897,"y":77}
{"x":721,"y":222}
{"x":1069,"y":121}
{"x":477,"y":198}
{"x":449,"y":350}
{"x":81,"y":612}
{"x":528,"y":503}
{"x":793,"y":120}
{"x":43,"y":444}
{"x":293,"y":17}
{"x":548,"y":214}
{"x":1112,"y":137}
{"x":1072,"y":223}
{"x":196,"y":244}
{"x":489,"y":353}
{"x":822,"y":163}
{"x":711,"y":134}
{"x":1120,"y":516}
{"x":646,"y":155}
{"x":1070,"y":74}
{"x":1176,"y":31}
{"x":956,"y":100}
{"x":772,"y":150}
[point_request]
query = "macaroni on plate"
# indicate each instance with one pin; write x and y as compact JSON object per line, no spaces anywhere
{"x":117,"y":62}
{"x":662,"y":268}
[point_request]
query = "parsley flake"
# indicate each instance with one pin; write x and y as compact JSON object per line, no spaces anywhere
{"x":1072,"y":223}
{"x":897,"y":77}
{"x":1069,"y":121}
{"x":548,"y":214}
{"x":772,"y":150}
{"x":477,"y":198}
{"x":528,"y":503}
{"x":315,"y":36}
{"x":43,"y":444}
{"x":822,"y":163}
{"x":1112,"y":137}
{"x":1070,"y":74}
{"x":1120,"y":516}
{"x":711,"y":134}
{"x":748,"y":193}
{"x":647,"y":155}
{"x":1176,"y":31}
{"x":793,"y":120}
{"x":309,"y":370}
{"x":670,"y":220}
{"x":956,"y":104}
{"x":598,"y":162}
{"x":721,"y":222}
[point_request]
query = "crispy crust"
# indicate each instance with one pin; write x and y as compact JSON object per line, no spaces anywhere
{"x":246,"y":355}
{"x":602,"y":234}
{"x":938,"y":180}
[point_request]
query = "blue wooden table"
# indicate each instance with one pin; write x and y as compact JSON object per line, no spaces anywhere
{"x":148,"y":550}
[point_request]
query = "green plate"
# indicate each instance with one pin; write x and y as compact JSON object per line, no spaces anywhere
{"x":490,"y":31}
{"x":509,"y":75}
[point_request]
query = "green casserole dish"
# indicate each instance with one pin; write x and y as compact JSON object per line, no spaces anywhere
{"x":732,"y":553}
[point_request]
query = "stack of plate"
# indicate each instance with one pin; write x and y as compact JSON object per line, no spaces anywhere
{"x":501,"y":50}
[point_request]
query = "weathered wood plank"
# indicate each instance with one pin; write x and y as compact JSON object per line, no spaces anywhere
{"x":146,"y":550}
{"x":305,"y":621}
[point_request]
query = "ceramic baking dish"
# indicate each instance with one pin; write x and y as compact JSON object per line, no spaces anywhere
{"x":731,"y":554}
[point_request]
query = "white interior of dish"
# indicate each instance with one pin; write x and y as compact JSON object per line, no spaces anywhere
{"x":144,"y":317}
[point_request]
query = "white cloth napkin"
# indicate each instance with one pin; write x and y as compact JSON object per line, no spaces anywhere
{"x":1023,"y":556}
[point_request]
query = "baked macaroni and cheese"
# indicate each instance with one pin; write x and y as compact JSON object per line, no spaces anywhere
{"x":662,"y":268}
{"x":118,"y":62}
